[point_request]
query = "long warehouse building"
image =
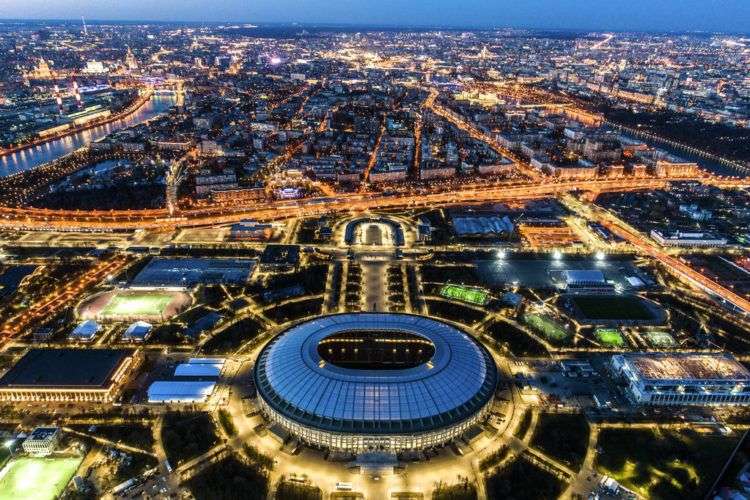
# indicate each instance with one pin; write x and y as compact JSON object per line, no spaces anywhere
{"x":92,"y":375}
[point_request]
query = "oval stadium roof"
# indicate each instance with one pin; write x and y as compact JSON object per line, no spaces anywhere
{"x":455,"y":384}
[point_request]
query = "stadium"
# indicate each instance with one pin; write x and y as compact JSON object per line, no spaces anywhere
{"x":375,"y":381}
{"x":134,"y":305}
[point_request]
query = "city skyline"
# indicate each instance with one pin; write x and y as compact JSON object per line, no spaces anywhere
{"x":379,"y":252}
{"x":731,"y":16}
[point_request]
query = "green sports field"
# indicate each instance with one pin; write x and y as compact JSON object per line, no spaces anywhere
{"x":464,"y":294}
{"x":32,"y":478}
{"x":145,"y":304}
{"x":548,"y":327}
{"x":612,"y":307}
{"x":609,"y":337}
{"x":660,"y":339}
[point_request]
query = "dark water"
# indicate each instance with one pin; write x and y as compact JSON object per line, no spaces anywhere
{"x":38,"y":155}
{"x":706,"y":164}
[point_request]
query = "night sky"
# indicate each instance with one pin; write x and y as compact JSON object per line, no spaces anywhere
{"x":646,"y":15}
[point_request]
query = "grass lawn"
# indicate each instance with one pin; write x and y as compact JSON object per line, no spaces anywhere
{"x":517,"y":341}
{"x":612,"y":307}
{"x":548,"y":327}
{"x":138,"y":304}
{"x":660,"y":339}
{"x":188,"y":435}
{"x":662,"y":463}
{"x":464,"y":294}
{"x":232,"y":337}
{"x":562,"y":436}
{"x":609,"y":337}
{"x":229,"y":479}
{"x":36,"y":478}
{"x":522,"y":480}
{"x":454,"y":312}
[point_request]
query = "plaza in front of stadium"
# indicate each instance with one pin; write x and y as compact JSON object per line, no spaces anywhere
{"x":369,"y":364}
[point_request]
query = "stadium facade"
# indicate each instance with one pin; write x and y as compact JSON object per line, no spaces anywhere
{"x":701,"y":379}
{"x":375,"y":381}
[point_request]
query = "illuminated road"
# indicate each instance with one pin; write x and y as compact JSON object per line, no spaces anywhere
{"x":476,"y":134}
{"x":101,"y":220}
{"x":645,"y":246}
{"x":64,"y":296}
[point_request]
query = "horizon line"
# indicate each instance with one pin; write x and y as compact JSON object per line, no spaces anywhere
{"x":374,"y":26}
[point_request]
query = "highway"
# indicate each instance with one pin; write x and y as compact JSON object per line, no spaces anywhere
{"x":646,"y":247}
{"x":114,"y":220}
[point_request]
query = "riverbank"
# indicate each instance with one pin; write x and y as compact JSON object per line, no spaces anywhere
{"x":139,"y":102}
{"x":37,"y":156}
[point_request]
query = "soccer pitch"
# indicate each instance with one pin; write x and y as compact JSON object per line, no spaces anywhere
{"x":610,"y":337}
{"x":603,"y":307}
{"x":464,"y":294}
{"x":137,"y":304}
{"x":660,"y":339}
{"x":36,"y":478}
{"x":547,"y":326}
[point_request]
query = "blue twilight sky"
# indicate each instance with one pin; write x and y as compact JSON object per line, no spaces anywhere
{"x":660,"y":15}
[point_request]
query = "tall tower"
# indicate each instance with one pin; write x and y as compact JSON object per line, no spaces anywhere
{"x":77,"y":93}
{"x":58,"y":99}
{"x":85,"y":29}
{"x":130,"y":62}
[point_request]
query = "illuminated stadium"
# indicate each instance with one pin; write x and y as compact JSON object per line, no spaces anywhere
{"x":133,"y":305}
{"x":375,"y":381}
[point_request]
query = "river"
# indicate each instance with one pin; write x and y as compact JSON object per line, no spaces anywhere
{"x":33,"y":157}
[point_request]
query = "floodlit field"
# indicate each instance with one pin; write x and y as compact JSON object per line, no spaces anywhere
{"x":464,"y":294}
{"x":36,"y":478}
{"x":605,"y":307}
{"x":660,"y":339}
{"x":610,"y":337}
{"x":548,"y":327}
{"x":140,"y":304}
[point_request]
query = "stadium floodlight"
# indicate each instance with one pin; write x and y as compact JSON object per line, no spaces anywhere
{"x":557,"y":255}
{"x":600,"y":256}
{"x":500,"y":254}
{"x":9,"y":443}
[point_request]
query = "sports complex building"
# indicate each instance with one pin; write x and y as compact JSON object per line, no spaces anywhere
{"x":93,"y":375}
{"x":375,"y":381}
{"x":183,"y":273}
{"x":684,"y":378}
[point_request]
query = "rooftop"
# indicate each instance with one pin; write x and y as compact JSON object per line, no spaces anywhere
{"x":455,"y":383}
{"x":688,"y":366}
{"x":65,"y":368}
{"x":181,"y":272}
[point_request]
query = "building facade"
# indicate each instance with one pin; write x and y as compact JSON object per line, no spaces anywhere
{"x":701,"y":379}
